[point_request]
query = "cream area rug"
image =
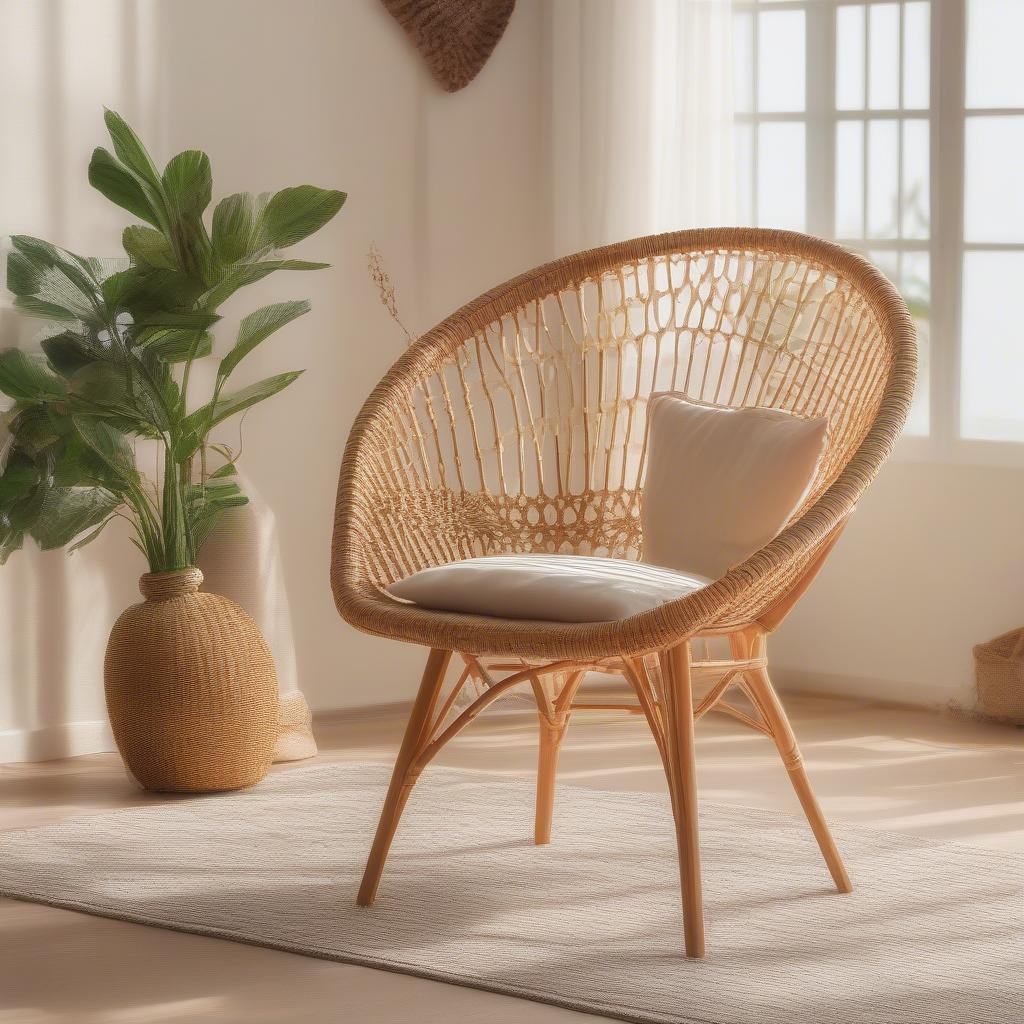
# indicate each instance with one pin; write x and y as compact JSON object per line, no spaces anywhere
{"x":932,"y":934}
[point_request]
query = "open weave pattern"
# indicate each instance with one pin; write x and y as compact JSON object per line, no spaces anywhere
{"x":519,"y":424}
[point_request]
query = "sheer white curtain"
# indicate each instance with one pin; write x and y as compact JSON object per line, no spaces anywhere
{"x":641,"y":118}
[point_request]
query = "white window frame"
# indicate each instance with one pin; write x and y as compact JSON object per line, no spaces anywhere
{"x":947,"y":116}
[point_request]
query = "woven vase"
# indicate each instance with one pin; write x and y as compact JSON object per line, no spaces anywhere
{"x":191,"y":689}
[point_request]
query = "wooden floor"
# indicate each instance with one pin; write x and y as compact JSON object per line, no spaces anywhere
{"x":898,"y":769}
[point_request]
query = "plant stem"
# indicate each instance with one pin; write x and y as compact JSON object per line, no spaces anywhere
{"x":177,"y":549}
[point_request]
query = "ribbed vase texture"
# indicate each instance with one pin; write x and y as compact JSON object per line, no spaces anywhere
{"x":191,"y":689}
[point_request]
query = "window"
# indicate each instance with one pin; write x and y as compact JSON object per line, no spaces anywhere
{"x":992,"y":346}
{"x":897,"y":128}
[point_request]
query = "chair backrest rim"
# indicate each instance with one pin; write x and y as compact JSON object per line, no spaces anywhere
{"x":576,"y":268}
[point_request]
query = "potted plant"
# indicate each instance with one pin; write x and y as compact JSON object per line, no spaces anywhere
{"x":189,"y":681}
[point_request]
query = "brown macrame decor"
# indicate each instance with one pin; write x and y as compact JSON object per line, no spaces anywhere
{"x":455,"y":36}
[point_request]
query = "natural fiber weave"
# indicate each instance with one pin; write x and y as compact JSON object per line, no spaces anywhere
{"x":455,"y":36}
{"x":999,"y":675}
{"x":932,"y":936}
{"x":519,"y":423}
{"x":191,"y":690}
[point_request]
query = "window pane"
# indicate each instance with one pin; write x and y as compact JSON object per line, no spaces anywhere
{"x":888,"y":262}
{"x":781,"y":61}
{"x":745,"y":173}
{"x":781,"y":192}
{"x":850,"y":179}
{"x":992,"y":365}
{"x":850,"y":58}
{"x":883,"y":164}
{"x":915,"y":287}
{"x":915,"y":215}
{"x":883,"y":65}
{"x":993,"y":193}
{"x":916,"y":48}
{"x":995,"y":29}
{"x":743,"y":61}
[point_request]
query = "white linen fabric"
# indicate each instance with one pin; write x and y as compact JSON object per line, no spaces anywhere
{"x":721,"y":483}
{"x":553,"y":588}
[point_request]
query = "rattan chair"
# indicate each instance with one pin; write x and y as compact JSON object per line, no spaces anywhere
{"x":518,"y":425}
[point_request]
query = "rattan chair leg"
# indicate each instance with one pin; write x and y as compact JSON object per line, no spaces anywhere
{"x":761,"y":691}
{"x":682,"y":779}
{"x":403,"y":779}
{"x":551,"y":735}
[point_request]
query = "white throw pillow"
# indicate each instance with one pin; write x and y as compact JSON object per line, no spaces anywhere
{"x":555,"y":588}
{"x":721,"y":483}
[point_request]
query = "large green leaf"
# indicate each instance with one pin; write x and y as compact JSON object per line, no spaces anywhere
{"x":20,"y":476}
{"x":195,"y":425}
{"x":220,"y":493}
{"x":52,"y":283}
{"x":152,"y":291}
{"x":295,"y":213}
{"x":11,"y":539}
{"x":117,"y":290}
{"x":46,"y":257}
{"x":37,"y":428}
{"x":23,"y":275}
{"x":141,"y":400}
{"x":68,"y":352}
{"x":31,"y":306}
{"x":68,"y":511}
{"x":249,"y":273}
{"x":19,"y":490}
{"x":22,"y":514}
{"x":202,"y":524}
{"x":149,"y":246}
{"x":235,"y":227}
{"x":75,"y":464}
{"x":120,"y":186}
{"x":109,"y":445}
{"x":25,"y":378}
{"x":187,"y":319}
{"x":104,"y":387}
{"x":174,"y":344}
{"x":257,"y":327}
{"x":129,"y":148}
{"x":188,"y":183}
{"x":208,"y":505}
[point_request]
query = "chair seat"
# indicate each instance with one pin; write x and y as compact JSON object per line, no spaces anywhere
{"x":553,"y":588}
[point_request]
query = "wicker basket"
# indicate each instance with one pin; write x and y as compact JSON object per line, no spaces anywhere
{"x":191,"y":689}
{"x":999,"y":673}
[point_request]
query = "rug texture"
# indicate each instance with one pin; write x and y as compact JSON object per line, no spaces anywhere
{"x":932,"y":934}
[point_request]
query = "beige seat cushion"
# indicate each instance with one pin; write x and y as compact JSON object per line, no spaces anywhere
{"x":721,"y":483}
{"x":554,"y":588}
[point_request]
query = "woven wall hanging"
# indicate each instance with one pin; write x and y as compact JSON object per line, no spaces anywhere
{"x":455,"y":36}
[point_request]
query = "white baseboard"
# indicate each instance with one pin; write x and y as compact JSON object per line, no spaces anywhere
{"x":884,"y":691}
{"x":67,"y":740}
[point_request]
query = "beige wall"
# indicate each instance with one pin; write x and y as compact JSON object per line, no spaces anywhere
{"x":931,"y":564}
{"x":325,"y":91}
